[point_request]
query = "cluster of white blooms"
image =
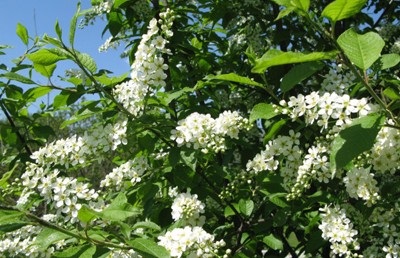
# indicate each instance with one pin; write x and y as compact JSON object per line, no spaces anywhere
{"x":385,"y":154}
{"x":148,"y":69}
{"x":119,"y":253}
{"x":64,"y":194}
{"x":338,"y":229}
{"x":338,"y":80}
{"x":190,"y":242}
{"x":360,"y":183}
{"x":20,"y":243}
{"x":103,"y":7}
{"x":131,"y":170}
{"x":77,"y":150}
{"x":187,"y":208}
{"x":108,"y":44}
{"x":201,"y":131}
{"x":320,"y":108}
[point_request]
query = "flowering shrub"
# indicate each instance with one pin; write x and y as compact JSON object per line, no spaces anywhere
{"x":243,"y":129}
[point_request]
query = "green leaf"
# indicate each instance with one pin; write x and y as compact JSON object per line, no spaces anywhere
{"x":76,"y":251}
{"x":263,"y":111}
{"x":149,"y":248}
{"x":87,"y":61}
{"x":119,"y":209}
{"x":6,"y":176}
{"x":146,"y":225}
{"x":342,"y":9}
{"x":175,"y":95}
{"x":232,"y":77}
{"x":66,"y":98}
{"x":48,"y":237}
{"x":276,"y":57}
{"x":277,"y":200}
{"x":58,"y":30}
{"x":299,"y":6}
{"x":72,"y":27}
{"x":273,"y":242}
{"x":118,"y":3}
{"x":114,"y":23}
{"x":45,"y":70}
{"x":354,"y":140}
{"x":11,"y":217}
{"x":299,"y":73}
{"x":246,"y":207}
{"x":43,"y":131}
{"x":34,"y":93}
{"x":386,"y":61}
{"x":274,"y":129}
{"x":86,"y":214}
{"x":17,"y":77}
{"x":22,"y":33}
{"x":45,"y":57}
{"x":362,"y":50}
{"x":392,"y":93}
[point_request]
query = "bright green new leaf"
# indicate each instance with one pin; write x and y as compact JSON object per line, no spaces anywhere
{"x":263,"y":111}
{"x":119,"y":209}
{"x":58,"y":30}
{"x":246,"y":207}
{"x":45,"y":57}
{"x":87,"y":61}
{"x":22,"y":33}
{"x":298,"y":6}
{"x":48,"y":237}
{"x":276,"y":57}
{"x":86,"y":214}
{"x":273,"y":242}
{"x":274,"y":129}
{"x":6,"y":176}
{"x":386,"y":61}
{"x":392,"y":93}
{"x":45,"y":70}
{"x":72,"y":27}
{"x":232,"y":77}
{"x":342,"y":9}
{"x":299,"y":73}
{"x":354,"y":140}
{"x":149,"y":248}
{"x":362,"y":50}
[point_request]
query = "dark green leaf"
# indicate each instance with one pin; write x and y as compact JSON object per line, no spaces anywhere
{"x":277,"y":199}
{"x":354,"y":140}
{"x":362,"y":50}
{"x":149,"y":248}
{"x":299,"y":73}
{"x":22,"y":33}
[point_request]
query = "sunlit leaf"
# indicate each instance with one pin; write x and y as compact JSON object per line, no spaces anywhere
{"x":342,"y":9}
{"x":273,"y":242}
{"x":149,"y":248}
{"x":22,"y":33}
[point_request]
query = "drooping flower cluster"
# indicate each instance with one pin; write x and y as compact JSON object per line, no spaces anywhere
{"x":187,"y":208}
{"x":77,"y":150}
{"x":64,"y":194}
{"x":321,"y":108}
{"x":338,"y":229}
{"x":201,"y":131}
{"x":131,"y":170}
{"x":148,"y":69}
{"x":190,"y":242}
{"x":360,"y":183}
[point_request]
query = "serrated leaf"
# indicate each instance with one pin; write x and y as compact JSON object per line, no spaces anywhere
{"x":276,"y":57}
{"x":246,"y":207}
{"x":263,"y":111}
{"x":22,"y":33}
{"x":48,"y":237}
{"x":273,"y":242}
{"x":232,"y":77}
{"x":342,"y":9}
{"x":362,"y":50}
{"x":299,"y":73}
{"x":354,"y":140}
{"x":149,"y":248}
{"x":17,"y":77}
{"x":87,"y":61}
{"x":45,"y":57}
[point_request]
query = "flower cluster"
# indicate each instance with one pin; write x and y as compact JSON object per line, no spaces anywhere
{"x":64,"y":194}
{"x":109,"y":43}
{"x":360,"y":183}
{"x":148,"y":69}
{"x":201,"y":131}
{"x":187,"y":208}
{"x":320,"y":108}
{"x":131,"y":170}
{"x":338,"y":229}
{"x":77,"y":150}
{"x":385,"y":153}
{"x":338,"y":80}
{"x":190,"y":242}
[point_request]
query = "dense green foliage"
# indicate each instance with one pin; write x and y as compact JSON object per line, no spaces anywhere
{"x":243,"y":128}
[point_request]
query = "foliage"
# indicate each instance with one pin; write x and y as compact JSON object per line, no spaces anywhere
{"x":242,"y":128}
